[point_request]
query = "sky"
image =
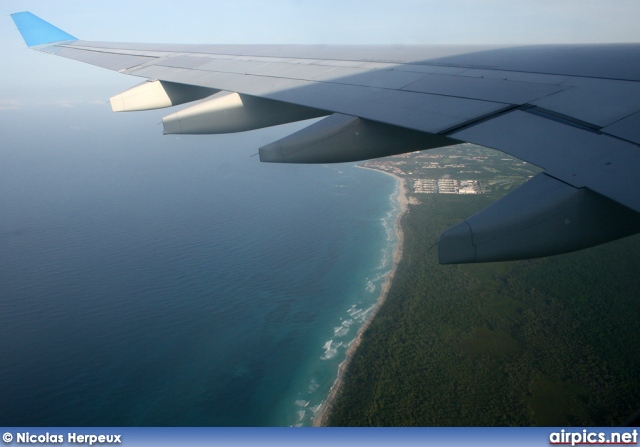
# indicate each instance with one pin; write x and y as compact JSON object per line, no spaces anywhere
{"x":29,"y":78}
{"x":342,"y":21}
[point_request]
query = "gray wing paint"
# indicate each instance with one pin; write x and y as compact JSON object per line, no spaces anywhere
{"x":573,"y":110}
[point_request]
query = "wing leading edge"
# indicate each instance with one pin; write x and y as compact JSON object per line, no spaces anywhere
{"x":572,"y":110}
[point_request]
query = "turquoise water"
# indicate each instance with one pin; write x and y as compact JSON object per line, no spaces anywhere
{"x":176,"y":281}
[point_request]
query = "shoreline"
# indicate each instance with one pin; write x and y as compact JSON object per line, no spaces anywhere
{"x":403,"y":200}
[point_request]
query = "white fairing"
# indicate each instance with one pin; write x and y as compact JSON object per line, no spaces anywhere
{"x":152,"y":95}
{"x":146,"y":96}
{"x":542,"y":217}
{"x":229,"y":112}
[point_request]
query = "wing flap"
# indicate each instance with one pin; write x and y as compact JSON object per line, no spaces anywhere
{"x":578,"y":156}
{"x":498,"y":90}
{"x":519,"y":76}
{"x":600,"y":102}
{"x":627,"y":128}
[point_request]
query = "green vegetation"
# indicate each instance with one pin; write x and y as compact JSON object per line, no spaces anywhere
{"x":551,"y":341}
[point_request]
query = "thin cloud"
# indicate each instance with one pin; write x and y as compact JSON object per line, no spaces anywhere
{"x":9,"y":104}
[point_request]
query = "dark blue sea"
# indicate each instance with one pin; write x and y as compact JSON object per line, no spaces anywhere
{"x":149,"y":280}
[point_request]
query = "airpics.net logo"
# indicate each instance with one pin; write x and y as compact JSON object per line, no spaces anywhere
{"x":587,"y":437}
{"x":70,"y":438}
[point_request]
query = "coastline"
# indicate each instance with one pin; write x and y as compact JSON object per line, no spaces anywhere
{"x":403,"y":201}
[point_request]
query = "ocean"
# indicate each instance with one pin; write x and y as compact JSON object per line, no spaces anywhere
{"x":176,"y":281}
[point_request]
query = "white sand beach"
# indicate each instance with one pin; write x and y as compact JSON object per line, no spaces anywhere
{"x":403,"y":200}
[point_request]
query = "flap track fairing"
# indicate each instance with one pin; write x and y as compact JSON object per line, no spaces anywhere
{"x":343,"y":138}
{"x":542,"y":217}
{"x":228,"y":112}
{"x":156,"y":95}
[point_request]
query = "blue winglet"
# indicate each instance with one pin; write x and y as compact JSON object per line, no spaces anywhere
{"x":36,"y":31}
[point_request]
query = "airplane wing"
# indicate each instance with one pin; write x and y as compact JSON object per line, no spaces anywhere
{"x":573,"y":110}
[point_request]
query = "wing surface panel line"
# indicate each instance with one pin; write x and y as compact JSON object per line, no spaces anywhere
{"x":132,"y":72}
